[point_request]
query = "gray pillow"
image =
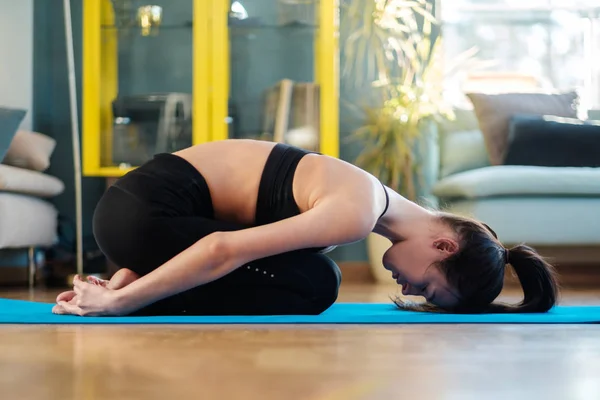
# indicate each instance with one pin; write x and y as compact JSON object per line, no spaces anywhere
{"x":10,"y":120}
{"x":494,"y":112}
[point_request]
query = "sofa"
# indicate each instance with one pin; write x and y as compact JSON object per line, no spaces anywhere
{"x":527,"y":165}
{"x":28,"y":220}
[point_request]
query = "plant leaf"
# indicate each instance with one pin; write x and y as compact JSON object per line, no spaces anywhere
{"x":427,"y":15}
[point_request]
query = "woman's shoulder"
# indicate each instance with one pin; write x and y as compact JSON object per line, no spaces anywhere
{"x":325,"y":179}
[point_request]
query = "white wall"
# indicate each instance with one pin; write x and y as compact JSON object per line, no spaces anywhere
{"x":16,"y":56}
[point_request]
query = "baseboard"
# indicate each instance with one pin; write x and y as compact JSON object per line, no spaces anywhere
{"x":572,"y":276}
{"x":571,"y":255}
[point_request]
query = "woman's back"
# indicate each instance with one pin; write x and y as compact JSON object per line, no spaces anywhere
{"x":233,"y":171}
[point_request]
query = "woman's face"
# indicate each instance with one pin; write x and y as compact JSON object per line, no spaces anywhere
{"x":413,"y":265}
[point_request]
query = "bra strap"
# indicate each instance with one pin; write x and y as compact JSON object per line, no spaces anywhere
{"x":387,"y":200}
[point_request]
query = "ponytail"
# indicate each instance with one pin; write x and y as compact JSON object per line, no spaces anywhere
{"x":477,"y":270}
{"x":538,"y":280}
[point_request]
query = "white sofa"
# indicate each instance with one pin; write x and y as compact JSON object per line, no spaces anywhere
{"x":28,"y":220}
{"x":555,"y":209}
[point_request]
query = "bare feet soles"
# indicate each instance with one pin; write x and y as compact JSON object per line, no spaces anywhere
{"x":120,"y":279}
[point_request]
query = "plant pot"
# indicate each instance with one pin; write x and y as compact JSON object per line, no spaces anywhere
{"x":377,"y":245}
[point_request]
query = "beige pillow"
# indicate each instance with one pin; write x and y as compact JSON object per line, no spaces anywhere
{"x":494,"y":112}
{"x":30,"y":150}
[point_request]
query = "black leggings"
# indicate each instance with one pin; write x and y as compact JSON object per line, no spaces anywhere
{"x":157,"y":211}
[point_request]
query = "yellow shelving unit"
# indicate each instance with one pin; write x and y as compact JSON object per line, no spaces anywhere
{"x":113,"y":54}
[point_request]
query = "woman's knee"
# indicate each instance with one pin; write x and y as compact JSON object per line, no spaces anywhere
{"x":114,"y":223}
{"x":326,"y":280}
{"x":123,"y":229}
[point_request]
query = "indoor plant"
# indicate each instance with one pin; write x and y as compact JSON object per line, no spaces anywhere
{"x":391,"y":43}
{"x":391,"y":134}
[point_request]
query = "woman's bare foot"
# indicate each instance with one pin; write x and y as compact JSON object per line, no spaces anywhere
{"x":120,"y":279}
{"x":97,"y":281}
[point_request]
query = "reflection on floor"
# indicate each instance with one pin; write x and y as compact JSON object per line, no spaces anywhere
{"x":302,"y":362}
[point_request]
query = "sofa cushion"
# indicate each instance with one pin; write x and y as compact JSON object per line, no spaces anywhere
{"x":18,"y":180}
{"x":494,"y":112}
{"x":462,"y":151}
{"x":464,"y":120}
{"x":30,"y":150}
{"x":511,"y":180}
{"x":547,"y":221}
{"x":26,"y":221}
{"x":553,"y":142}
{"x":10,"y":119}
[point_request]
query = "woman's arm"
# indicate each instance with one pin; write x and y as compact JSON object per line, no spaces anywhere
{"x":332,"y":221}
{"x":216,"y":255}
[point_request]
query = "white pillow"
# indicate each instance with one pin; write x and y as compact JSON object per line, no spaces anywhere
{"x":18,"y":180}
{"x":30,"y":150}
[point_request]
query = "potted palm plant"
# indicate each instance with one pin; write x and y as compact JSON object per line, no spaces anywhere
{"x":391,"y":131}
{"x":392,"y":44}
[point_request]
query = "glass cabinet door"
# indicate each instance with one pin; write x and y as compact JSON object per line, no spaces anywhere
{"x":145,"y":79}
{"x":162,"y":76}
{"x":273,"y":87}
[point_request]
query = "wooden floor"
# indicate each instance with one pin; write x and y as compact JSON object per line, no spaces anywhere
{"x":478,"y":362}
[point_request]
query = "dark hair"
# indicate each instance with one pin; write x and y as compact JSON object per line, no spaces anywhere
{"x":477,"y":272}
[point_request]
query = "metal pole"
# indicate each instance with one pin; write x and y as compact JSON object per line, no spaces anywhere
{"x":74,"y":133}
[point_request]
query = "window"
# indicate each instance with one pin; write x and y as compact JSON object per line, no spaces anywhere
{"x":545,"y":43}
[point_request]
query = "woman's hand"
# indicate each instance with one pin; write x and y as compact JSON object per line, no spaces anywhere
{"x":70,"y":297}
{"x":88,"y":299}
{"x":67,"y":296}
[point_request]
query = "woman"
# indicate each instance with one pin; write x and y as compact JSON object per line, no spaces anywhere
{"x":240,"y":227}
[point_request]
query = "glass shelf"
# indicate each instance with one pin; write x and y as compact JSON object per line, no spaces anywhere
{"x":232,"y":27}
{"x":273,"y":88}
{"x":187,"y":25}
{"x":152,"y":104}
{"x":225,"y":60}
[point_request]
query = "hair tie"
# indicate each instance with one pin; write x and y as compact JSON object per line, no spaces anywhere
{"x":506,"y":254}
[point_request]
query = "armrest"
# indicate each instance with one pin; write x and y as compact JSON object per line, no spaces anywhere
{"x":427,"y":154}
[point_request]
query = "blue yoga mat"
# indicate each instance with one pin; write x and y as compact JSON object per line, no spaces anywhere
{"x":26,"y":312}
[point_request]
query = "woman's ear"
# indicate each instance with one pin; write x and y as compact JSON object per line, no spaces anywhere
{"x":446,"y":245}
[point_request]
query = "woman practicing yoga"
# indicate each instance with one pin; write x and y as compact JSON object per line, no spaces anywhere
{"x":239,"y":227}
